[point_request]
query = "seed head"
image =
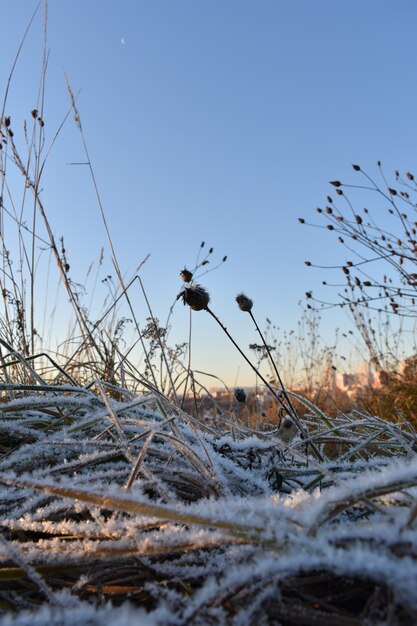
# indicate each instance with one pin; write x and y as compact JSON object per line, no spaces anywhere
{"x":244,"y":303}
{"x":186,"y":275}
{"x":286,"y":423}
{"x":287,"y":430}
{"x":196,"y":297}
{"x":240,"y":394}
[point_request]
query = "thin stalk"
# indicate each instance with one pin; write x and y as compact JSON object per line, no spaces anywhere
{"x":189,"y":360}
{"x":107,"y":230}
{"x":138,"y":462}
{"x":161,"y":346}
{"x":274,"y":365}
{"x":37,"y":181}
{"x":266,"y":383}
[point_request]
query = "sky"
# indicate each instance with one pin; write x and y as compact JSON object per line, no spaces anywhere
{"x":213,"y":120}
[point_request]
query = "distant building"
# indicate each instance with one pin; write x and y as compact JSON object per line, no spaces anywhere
{"x":351,"y":383}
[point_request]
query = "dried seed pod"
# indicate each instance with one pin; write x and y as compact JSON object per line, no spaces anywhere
{"x":196,"y":297}
{"x":336,"y":183}
{"x":186,"y":275}
{"x":240,"y":394}
{"x":244,"y":303}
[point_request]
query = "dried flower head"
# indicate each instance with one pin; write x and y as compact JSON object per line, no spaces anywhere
{"x":244,"y":303}
{"x":196,"y":297}
{"x":240,"y":394}
{"x":286,"y":430}
{"x":186,"y":275}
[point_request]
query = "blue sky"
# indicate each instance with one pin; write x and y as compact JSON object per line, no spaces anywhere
{"x":215,"y":120}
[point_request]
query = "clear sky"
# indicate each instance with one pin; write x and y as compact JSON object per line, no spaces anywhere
{"x":214,"y":120}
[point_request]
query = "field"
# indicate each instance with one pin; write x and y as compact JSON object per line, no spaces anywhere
{"x":116,"y":505}
{"x":129,"y":495}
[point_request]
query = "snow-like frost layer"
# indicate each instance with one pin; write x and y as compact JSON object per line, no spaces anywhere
{"x":349,"y":516}
{"x":71,"y":610}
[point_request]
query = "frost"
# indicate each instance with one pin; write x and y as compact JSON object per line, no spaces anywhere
{"x":201,"y":526}
{"x":73,"y":611}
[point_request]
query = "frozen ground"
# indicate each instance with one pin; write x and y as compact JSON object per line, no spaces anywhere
{"x":129,"y":511}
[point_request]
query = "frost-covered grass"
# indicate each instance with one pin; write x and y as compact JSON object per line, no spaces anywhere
{"x":130,"y":510}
